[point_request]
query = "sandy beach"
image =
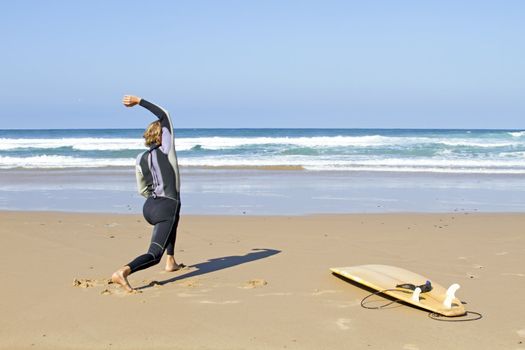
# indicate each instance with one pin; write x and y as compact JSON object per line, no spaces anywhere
{"x":255,"y":282}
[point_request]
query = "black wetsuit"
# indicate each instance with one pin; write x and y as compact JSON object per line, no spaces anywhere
{"x":158,"y":180}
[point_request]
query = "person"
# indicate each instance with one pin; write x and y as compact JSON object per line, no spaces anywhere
{"x":157,"y":175}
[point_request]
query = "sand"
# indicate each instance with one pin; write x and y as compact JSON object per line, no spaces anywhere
{"x":256,"y":282}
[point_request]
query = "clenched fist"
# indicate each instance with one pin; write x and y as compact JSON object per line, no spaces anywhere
{"x":130,"y":100}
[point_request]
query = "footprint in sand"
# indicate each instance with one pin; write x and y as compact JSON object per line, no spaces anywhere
{"x":188,"y":295}
{"x":150,"y":283}
{"x":277,"y":294}
{"x":321,"y":292}
{"x":513,"y":274}
{"x":83,"y":283}
{"x":110,"y":288}
{"x":226,"y":302}
{"x":521,"y":333}
{"x":89,"y":283}
{"x":194,"y":293}
{"x":343,"y":323}
{"x":254,"y":283}
{"x":118,"y":291}
{"x":410,"y":347}
{"x":353,"y":303}
{"x":190,"y":283}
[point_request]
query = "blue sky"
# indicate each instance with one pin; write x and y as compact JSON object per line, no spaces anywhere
{"x":338,"y":64}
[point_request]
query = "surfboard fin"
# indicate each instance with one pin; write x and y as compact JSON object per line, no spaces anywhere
{"x":415,"y":295}
{"x":451,"y":294}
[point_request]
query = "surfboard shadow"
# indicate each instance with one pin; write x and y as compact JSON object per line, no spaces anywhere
{"x":391,"y":304}
{"x":217,"y":264}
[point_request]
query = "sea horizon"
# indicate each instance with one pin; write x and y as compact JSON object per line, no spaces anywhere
{"x":274,"y":128}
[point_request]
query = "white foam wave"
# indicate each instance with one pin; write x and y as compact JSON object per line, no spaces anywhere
{"x":517,"y":155}
{"x":445,"y":152}
{"x":517,"y":133}
{"x":420,"y":170}
{"x":392,"y":164}
{"x":84,"y":144}
{"x":478,"y":143}
{"x":218,"y":143}
{"x":48,"y":162}
{"x":441,"y":165}
{"x":215,"y":143}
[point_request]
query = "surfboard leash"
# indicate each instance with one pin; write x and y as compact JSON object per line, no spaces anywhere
{"x":474,"y":316}
{"x":377,"y":293}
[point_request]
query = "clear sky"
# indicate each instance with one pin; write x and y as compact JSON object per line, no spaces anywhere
{"x":271,"y":63}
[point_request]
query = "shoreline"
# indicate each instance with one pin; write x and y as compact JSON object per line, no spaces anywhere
{"x":234,"y":216}
{"x":266,"y":192}
{"x":280,"y":167}
{"x":255,"y":282}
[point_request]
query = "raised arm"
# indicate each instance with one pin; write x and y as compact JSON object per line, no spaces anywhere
{"x":164,"y":118}
{"x":130,"y":101}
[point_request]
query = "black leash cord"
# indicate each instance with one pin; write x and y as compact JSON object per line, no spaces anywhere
{"x":437,"y":317}
{"x":433,"y":315}
{"x":376,"y":293}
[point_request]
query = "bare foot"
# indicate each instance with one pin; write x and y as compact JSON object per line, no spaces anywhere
{"x":171,"y":264}
{"x":121,"y":277}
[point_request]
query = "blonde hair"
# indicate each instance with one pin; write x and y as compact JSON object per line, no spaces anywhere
{"x":153,"y":134}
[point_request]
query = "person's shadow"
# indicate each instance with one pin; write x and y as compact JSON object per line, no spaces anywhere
{"x":219,"y":264}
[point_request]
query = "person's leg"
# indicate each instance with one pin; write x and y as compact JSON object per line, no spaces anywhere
{"x":159,"y":239}
{"x":171,"y":264}
{"x":159,"y":212}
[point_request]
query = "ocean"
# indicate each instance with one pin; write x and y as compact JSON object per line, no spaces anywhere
{"x":272,"y":171}
{"x":377,"y":150}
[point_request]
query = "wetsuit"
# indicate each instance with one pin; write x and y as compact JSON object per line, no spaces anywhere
{"x":157,"y":174}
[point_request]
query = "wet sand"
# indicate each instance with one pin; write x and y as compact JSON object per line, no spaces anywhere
{"x":255,"y":282}
{"x":265,"y":192}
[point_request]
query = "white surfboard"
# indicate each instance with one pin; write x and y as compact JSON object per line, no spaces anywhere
{"x":386,"y":278}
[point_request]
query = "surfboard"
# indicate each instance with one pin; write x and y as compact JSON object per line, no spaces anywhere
{"x":386,"y":278}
